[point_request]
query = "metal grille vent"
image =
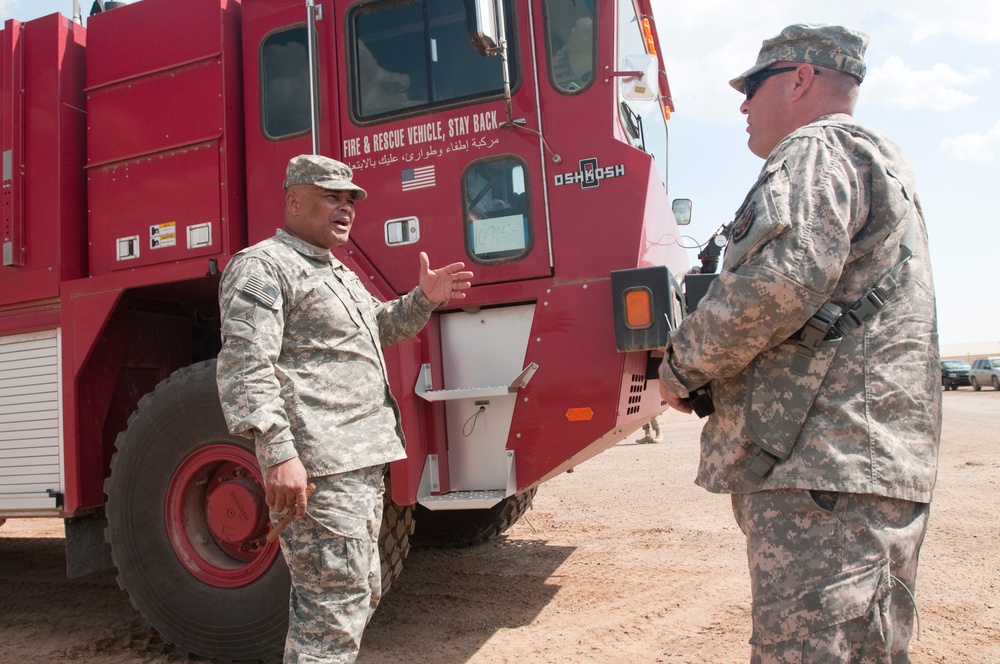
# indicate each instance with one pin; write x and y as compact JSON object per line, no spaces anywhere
{"x":635,"y":393}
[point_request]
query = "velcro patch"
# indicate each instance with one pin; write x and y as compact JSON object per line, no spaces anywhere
{"x":264,"y":293}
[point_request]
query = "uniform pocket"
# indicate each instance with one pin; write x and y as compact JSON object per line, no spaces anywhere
{"x":338,"y":521}
{"x":326,"y":316}
{"x":779,"y":400}
{"x":830,"y":601}
{"x":345,"y":503}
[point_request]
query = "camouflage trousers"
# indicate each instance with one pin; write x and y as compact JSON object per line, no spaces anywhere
{"x":332,"y":554}
{"x":831,"y":575}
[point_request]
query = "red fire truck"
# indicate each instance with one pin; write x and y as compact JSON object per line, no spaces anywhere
{"x":527,"y":139}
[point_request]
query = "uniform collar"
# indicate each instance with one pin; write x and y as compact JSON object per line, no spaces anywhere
{"x":306,"y":249}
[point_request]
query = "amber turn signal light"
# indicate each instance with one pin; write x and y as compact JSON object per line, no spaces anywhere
{"x":638,"y":308}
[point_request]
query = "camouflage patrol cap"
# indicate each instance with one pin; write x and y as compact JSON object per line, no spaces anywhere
{"x":322,"y":172}
{"x":832,"y":46}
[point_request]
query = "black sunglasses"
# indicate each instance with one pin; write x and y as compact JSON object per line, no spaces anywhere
{"x":753,"y":81}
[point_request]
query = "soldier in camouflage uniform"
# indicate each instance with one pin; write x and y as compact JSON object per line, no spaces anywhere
{"x":301,"y":372}
{"x":650,"y":432}
{"x":825,"y":435}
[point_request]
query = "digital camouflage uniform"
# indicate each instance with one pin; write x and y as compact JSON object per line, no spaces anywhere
{"x":302,"y":372}
{"x":833,"y":530}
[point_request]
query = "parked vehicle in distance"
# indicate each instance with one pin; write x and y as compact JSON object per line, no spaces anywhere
{"x":954,"y":374}
{"x":985,"y":371}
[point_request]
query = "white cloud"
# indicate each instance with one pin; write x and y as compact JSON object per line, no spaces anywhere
{"x":978,"y":148}
{"x":972,"y":21}
{"x":894,"y":83}
{"x":707,"y":43}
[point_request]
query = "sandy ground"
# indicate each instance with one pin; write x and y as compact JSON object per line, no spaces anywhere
{"x":623,"y":560}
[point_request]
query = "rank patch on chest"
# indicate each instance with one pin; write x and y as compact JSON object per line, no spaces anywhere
{"x":266,"y":294}
{"x":742,"y":225}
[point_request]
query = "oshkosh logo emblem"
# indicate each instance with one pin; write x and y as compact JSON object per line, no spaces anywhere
{"x":590,"y":174}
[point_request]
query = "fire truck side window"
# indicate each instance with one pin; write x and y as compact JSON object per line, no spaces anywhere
{"x":571,"y":41}
{"x":284,"y":80}
{"x":497,"y":227}
{"x":416,"y":54}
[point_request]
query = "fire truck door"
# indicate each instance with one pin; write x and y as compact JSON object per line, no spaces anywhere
{"x":423,"y":124}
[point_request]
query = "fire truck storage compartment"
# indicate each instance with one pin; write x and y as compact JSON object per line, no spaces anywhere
{"x":480,"y":349}
{"x":42,"y":134}
{"x":31,"y":419}
{"x":164,"y":133}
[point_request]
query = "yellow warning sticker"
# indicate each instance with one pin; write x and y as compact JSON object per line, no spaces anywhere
{"x":163,"y":235}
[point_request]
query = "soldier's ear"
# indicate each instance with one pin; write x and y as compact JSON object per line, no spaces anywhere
{"x":292,"y":200}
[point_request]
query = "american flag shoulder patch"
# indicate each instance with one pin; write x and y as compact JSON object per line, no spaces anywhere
{"x":266,"y":294}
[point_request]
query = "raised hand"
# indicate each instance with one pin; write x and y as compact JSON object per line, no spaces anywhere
{"x":444,"y":283}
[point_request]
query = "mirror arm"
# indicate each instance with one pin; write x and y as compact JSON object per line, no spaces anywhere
{"x":639,"y":74}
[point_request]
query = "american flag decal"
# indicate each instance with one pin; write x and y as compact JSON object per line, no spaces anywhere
{"x":417,"y":178}
{"x":266,"y":294}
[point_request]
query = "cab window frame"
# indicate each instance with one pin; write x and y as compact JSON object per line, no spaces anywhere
{"x":469,"y":220}
{"x":265,"y":107}
{"x":552,"y":53}
{"x":355,"y":80}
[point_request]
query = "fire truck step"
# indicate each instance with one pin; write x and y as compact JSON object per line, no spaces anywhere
{"x":464,"y":500}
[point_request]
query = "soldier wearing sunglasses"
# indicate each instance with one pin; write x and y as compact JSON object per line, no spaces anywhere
{"x":827,"y":412}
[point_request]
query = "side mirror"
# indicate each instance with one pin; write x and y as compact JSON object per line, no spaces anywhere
{"x":641,"y":80}
{"x":481,"y":22}
{"x":682,"y":211}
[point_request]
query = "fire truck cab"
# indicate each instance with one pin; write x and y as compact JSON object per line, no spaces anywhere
{"x":527,"y":139}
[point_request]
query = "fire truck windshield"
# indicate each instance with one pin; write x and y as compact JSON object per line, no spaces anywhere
{"x":417,"y":54}
{"x":643,"y":121}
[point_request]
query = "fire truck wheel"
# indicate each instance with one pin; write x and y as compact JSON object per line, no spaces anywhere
{"x":186,"y":525}
{"x":187,"y":522}
{"x":462,"y":528}
{"x":394,"y":538}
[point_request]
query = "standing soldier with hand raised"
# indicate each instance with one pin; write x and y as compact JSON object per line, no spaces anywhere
{"x":301,"y":372}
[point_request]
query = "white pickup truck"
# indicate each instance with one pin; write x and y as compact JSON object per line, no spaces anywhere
{"x":985,"y":371}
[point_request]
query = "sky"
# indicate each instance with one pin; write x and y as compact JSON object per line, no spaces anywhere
{"x":933,"y":86}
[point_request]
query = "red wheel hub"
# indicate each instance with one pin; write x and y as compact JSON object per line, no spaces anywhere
{"x":217,"y":518}
{"x":236,"y":510}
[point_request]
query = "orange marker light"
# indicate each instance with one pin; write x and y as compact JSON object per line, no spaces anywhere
{"x":647,"y":33}
{"x":580,"y":414}
{"x":638,"y":308}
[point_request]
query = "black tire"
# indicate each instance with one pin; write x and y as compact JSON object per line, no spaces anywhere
{"x":172,"y":425}
{"x":180,"y":425}
{"x":463,"y":528}
{"x":975,"y":384}
{"x":394,"y":538}
{"x":995,"y":382}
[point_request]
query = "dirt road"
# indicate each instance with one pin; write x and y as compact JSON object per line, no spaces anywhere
{"x":623,"y":560}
